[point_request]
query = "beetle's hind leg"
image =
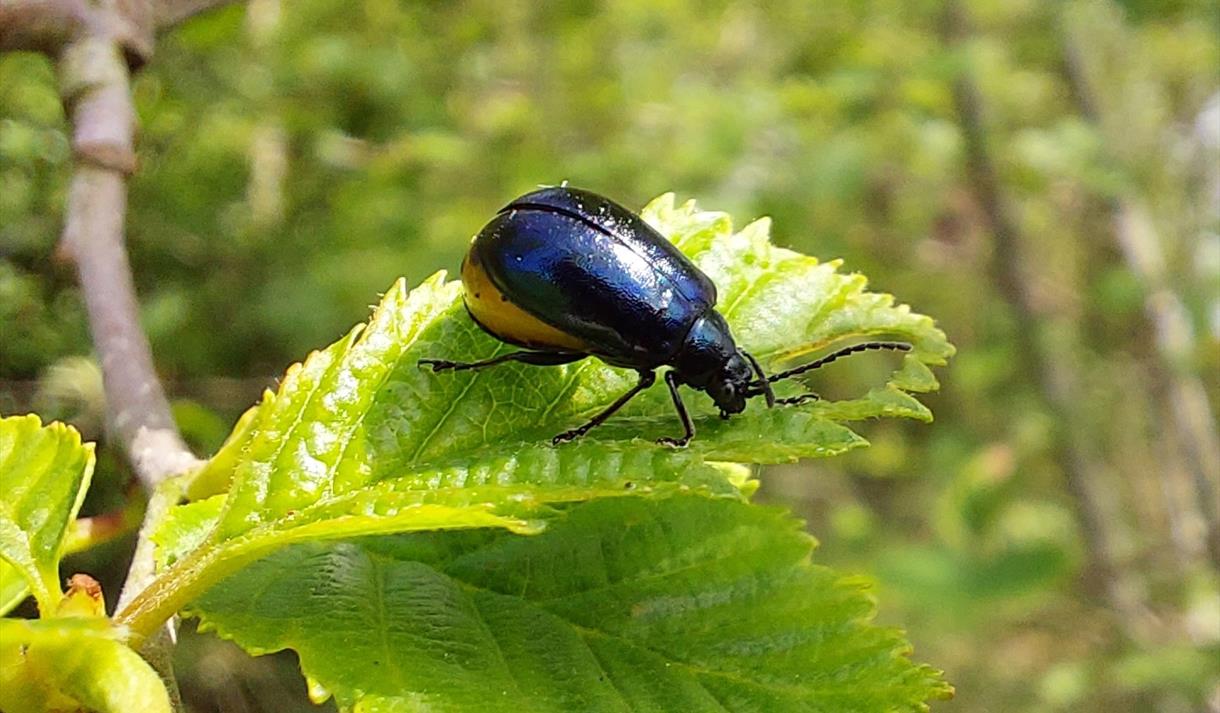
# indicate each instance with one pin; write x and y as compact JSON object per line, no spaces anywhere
{"x":647,"y":378}
{"x":796,"y":400}
{"x":536,"y":358}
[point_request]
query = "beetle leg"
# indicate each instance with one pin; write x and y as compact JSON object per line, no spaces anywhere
{"x":537,"y":358}
{"x":794,"y":400}
{"x":647,"y":378}
{"x":764,"y":386}
{"x":890,"y":346}
{"x":671,"y":380}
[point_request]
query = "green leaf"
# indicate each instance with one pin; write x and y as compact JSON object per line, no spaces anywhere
{"x":359,"y":440}
{"x":13,"y":589}
{"x":633,"y":604}
{"x":44,"y":473}
{"x":72,"y":663}
{"x":214,"y":476}
{"x":84,"y":534}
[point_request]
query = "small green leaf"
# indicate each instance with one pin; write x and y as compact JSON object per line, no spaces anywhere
{"x":84,"y":534}
{"x":186,"y":528}
{"x":214,"y":476}
{"x":915,"y":376}
{"x":13,"y":588}
{"x":44,"y":473}
{"x":73,"y":663}
{"x":686,"y":603}
{"x":359,"y":440}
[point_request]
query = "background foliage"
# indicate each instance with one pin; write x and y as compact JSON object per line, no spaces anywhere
{"x":296,"y":159}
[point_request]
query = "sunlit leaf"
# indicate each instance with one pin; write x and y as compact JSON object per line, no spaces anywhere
{"x":634,"y":604}
{"x":44,"y":473}
{"x":13,"y":588}
{"x":84,"y":534}
{"x":66,"y":664}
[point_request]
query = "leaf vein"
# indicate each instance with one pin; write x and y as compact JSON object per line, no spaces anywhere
{"x":453,"y":404}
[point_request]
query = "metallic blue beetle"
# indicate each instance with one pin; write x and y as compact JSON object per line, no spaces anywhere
{"x":569,"y":274}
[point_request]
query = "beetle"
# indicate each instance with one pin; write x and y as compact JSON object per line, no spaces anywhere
{"x":567,"y":274}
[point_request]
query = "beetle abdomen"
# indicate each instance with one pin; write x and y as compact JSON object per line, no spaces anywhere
{"x":496,"y":314}
{"x":626,"y":297}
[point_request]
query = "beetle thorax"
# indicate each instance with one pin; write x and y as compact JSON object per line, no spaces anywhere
{"x":709,"y":360}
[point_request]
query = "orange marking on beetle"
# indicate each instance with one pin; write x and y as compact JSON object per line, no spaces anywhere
{"x":492,"y":310}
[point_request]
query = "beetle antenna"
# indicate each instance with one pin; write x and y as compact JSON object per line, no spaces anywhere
{"x":764,"y":385}
{"x":845,"y":351}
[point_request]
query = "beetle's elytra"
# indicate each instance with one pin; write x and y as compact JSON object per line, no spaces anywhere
{"x":568,"y":274}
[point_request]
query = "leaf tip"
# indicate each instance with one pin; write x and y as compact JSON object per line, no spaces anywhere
{"x":660,"y":206}
{"x":759,"y":228}
{"x":436,"y":279}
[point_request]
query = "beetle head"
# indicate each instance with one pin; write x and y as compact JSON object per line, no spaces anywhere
{"x":730,"y":386}
{"x":710,"y":360}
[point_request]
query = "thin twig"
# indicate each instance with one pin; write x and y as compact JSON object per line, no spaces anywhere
{"x":1051,"y":349}
{"x":97,"y":43}
{"x":50,"y":26}
{"x":1181,"y":389}
{"x":97,"y":91}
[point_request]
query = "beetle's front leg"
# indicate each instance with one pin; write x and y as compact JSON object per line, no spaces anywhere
{"x":671,"y":380}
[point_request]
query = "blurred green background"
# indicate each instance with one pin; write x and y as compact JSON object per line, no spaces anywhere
{"x":1042,"y":177}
